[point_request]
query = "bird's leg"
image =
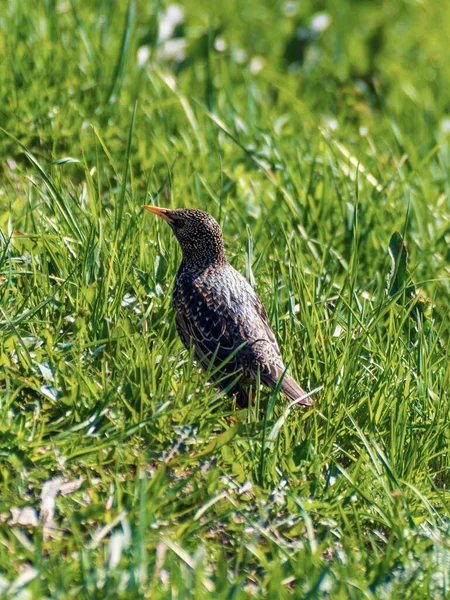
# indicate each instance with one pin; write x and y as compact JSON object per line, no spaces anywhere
{"x":242,"y":395}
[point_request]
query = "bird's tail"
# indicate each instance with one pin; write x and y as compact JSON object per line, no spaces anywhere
{"x":293,"y":391}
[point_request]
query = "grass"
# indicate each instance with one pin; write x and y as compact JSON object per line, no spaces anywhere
{"x":311,"y":152}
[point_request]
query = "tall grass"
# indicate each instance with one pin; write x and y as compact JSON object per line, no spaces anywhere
{"x":311,"y":131}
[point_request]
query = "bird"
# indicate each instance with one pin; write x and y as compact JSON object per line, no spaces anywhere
{"x":219,"y":314}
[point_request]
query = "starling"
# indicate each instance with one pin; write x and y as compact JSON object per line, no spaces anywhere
{"x":219,"y":314}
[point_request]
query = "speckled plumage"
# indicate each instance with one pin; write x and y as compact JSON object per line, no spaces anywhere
{"x":219,"y":314}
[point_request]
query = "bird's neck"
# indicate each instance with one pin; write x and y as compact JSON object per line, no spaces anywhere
{"x":199,"y":259}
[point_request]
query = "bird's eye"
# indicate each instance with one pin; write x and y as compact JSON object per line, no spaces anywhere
{"x":179,"y":224}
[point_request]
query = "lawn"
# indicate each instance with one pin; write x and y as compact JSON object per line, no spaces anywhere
{"x":313,"y":132}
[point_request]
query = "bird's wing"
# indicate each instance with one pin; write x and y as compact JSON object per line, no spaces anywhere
{"x":223,"y":315}
{"x":268,"y":353}
{"x":220,"y":313}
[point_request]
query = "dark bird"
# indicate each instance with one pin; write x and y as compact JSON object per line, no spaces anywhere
{"x":219,"y":314}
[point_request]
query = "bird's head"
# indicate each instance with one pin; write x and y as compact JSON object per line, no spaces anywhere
{"x":197,"y":232}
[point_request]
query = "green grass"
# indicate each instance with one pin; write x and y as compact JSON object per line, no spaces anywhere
{"x":310,"y":155}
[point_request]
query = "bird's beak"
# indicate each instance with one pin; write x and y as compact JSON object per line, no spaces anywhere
{"x":161,"y":212}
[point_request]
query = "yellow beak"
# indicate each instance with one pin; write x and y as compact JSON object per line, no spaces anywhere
{"x":161,"y":212}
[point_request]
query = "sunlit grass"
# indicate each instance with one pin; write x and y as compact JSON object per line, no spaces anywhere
{"x":310,"y":151}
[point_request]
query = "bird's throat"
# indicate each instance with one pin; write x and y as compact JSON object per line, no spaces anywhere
{"x":201,"y":257}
